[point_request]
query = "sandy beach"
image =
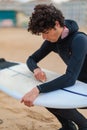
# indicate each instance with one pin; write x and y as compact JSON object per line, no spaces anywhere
{"x":17,"y":44}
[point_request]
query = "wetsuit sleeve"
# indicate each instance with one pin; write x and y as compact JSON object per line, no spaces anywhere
{"x":44,"y":50}
{"x":79,"y":51}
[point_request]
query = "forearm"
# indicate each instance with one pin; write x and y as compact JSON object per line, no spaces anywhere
{"x":37,"y":56}
{"x":58,"y":83}
{"x":32,"y":65}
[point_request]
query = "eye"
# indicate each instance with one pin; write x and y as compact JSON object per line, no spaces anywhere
{"x":46,"y":32}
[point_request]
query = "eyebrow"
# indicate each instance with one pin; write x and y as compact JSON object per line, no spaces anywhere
{"x":46,"y":32}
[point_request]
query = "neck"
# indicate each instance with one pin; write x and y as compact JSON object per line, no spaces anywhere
{"x":65,"y":32}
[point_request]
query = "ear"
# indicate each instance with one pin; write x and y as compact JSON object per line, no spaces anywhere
{"x":57,"y":23}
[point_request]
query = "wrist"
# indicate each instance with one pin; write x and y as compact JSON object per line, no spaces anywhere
{"x":37,"y":69}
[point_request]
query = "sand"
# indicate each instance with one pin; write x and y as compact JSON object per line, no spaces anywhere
{"x":17,"y":44}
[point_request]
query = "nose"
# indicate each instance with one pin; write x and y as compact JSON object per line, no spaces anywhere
{"x":44,"y":36}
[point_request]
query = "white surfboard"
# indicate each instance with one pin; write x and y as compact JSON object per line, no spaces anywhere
{"x":17,"y":80}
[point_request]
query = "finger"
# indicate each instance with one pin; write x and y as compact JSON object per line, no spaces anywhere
{"x":22,"y":100}
{"x":43,"y":77}
{"x":36,"y":76}
{"x":29,"y":104}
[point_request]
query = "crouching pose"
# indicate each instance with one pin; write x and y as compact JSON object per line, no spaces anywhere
{"x":62,"y":37}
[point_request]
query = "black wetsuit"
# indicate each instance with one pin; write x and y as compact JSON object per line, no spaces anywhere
{"x":73,"y":51}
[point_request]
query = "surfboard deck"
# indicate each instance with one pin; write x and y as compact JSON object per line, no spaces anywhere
{"x":16,"y":80}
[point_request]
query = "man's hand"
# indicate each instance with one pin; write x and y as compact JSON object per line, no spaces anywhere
{"x":29,"y":97}
{"x":39,"y":75}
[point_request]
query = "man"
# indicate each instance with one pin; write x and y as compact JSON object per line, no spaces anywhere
{"x":62,"y":37}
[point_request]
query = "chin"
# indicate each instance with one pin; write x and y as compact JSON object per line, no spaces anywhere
{"x":53,"y":41}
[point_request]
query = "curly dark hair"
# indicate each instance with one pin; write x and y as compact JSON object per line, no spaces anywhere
{"x":44,"y":17}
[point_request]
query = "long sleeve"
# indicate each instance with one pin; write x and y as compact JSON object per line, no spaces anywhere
{"x":44,"y":50}
{"x":79,"y":52}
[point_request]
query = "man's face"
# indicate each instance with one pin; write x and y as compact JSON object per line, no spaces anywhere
{"x":53,"y":34}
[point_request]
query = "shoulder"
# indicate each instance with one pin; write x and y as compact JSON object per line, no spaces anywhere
{"x":80,"y":41}
{"x":80,"y":37}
